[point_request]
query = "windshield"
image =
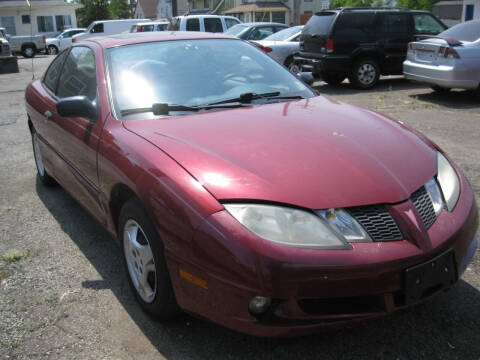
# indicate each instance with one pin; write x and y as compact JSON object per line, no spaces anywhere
{"x":194,"y":73}
{"x":236,"y":30}
{"x":284,"y":34}
{"x":467,"y":31}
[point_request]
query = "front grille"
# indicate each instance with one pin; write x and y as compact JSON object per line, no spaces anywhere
{"x":424,"y":206}
{"x":378,"y":222}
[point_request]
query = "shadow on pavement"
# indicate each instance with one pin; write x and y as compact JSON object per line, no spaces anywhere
{"x":445,"y":328}
{"x":453,"y":99}
{"x":390,"y":83}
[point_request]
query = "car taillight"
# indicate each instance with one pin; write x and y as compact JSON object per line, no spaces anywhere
{"x":139,"y":29}
{"x":74,"y":40}
{"x":265,"y":48}
{"x":410,"y":46}
{"x":451,"y":53}
{"x":329,"y":45}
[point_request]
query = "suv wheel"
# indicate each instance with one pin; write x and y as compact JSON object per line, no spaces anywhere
{"x":333,"y":79}
{"x":291,"y":65}
{"x":365,"y":73}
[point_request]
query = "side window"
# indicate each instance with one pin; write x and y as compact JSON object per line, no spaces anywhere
{"x":193,"y":25}
{"x":78,"y":76}
{"x":355,"y":26}
{"x":396,"y":24}
{"x":229,"y":22}
{"x":426,"y":24}
{"x":50,"y":78}
{"x":296,"y":38}
{"x":261,"y":33}
{"x":213,"y":25}
{"x":98,"y":28}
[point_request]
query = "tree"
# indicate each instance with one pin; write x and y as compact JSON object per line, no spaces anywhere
{"x":417,"y":4}
{"x":120,"y":9}
{"x":92,"y":10}
{"x":350,"y":3}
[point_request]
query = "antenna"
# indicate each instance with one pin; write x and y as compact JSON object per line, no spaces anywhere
{"x":31,"y":33}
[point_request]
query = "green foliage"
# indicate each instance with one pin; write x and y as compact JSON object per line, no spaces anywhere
{"x":417,"y":4}
{"x":92,"y":10}
{"x":120,"y":9}
{"x":352,"y":3}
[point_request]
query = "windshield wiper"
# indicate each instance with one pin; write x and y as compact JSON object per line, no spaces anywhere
{"x":246,"y":98}
{"x":165,"y":109}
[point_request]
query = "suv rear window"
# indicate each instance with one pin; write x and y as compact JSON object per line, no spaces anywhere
{"x":358,"y":26}
{"x":319,"y":23}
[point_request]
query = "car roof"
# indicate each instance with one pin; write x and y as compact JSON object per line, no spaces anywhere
{"x":263,"y":23}
{"x":152,"y":23}
{"x":152,"y":36}
{"x":376,"y":9}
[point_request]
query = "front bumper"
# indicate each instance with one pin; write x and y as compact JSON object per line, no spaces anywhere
{"x":312,"y":290}
{"x":439,"y":75}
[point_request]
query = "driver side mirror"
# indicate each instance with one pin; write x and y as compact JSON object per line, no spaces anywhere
{"x":306,"y":77}
{"x":78,"y":106}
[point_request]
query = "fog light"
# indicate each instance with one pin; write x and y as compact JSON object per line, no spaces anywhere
{"x":259,"y":305}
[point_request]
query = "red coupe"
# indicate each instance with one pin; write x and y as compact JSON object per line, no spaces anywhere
{"x":240,"y":195}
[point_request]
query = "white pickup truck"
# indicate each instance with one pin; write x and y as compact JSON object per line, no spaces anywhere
{"x":28,"y":46}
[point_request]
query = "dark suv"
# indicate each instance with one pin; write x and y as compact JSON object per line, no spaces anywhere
{"x":361,"y":43}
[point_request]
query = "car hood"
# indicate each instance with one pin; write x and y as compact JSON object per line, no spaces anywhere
{"x":314,"y":153}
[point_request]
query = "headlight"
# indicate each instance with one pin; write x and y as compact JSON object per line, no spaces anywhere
{"x":433,"y":191}
{"x":448,"y":181}
{"x":287,"y":226}
{"x":345,"y":224}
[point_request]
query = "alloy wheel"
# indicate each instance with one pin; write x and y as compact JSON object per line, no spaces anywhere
{"x":366,"y":74}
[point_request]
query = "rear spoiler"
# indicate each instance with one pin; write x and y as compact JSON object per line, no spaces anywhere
{"x":450,"y":41}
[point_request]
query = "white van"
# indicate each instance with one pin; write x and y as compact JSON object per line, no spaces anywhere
{"x":107,"y":27}
{"x":205,"y":23}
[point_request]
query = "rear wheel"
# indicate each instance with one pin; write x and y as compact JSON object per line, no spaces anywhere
{"x":440,"y":89}
{"x":45,"y":178}
{"x":292,"y":66}
{"x":333,"y":79}
{"x":365,"y":73}
{"x":28,"y":51}
{"x":52,"y":50}
{"x":145,"y":262}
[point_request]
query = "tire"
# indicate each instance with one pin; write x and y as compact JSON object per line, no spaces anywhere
{"x":365,"y":73}
{"x":292,"y":66}
{"x":52,"y":50}
{"x":45,"y":178}
{"x":145,"y":263}
{"x":333,"y":79}
{"x":440,"y":89}
{"x":28,"y":51}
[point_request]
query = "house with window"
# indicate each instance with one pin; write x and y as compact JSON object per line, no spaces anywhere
{"x":159,"y":9}
{"x":285,"y":11}
{"x":47,"y":17}
{"x":471,"y":10}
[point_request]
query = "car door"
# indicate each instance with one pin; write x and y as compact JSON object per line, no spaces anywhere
{"x":75,"y":140}
{"x":397,"y":32}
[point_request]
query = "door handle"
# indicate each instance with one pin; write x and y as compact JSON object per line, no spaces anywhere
{"x":47,"y":114}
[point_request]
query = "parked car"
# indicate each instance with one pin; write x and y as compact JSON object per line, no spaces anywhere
{"x":62,"y":41}
{"x":28,"y":46}
{"x":449,"y":60}
{"x":238,"y":194}
{"x":8,"y":62}
{"x":361,"y":44}
{"x":203,"y":23}
{"x":282,"y":45}
{"x":255,"y":31}
{"x":149,"y":26}
{"x":107,"y":27}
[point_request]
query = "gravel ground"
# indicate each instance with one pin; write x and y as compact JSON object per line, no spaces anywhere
{"x":64,"y":295}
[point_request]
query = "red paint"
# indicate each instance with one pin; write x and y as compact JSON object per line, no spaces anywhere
{"x":314,"y":153}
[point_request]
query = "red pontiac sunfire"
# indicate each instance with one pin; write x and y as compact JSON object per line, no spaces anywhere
{"x":238,"y":194}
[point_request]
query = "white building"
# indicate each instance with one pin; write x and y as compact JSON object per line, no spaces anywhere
{"x":471,"y":10}
{"x":45,"y":17}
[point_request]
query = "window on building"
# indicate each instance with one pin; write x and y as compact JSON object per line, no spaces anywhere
{"x":8,"y":22}
{"x":194,"y":4}
{"x":278,"y":17}
{"x":206,"y":4}
{"x":63,"y":22}
{"x":213,"y":25}
{"x":45,"y":24}
{"x":308,"y":0}
{"x":25,"y":19}
{"x":262,"y":16}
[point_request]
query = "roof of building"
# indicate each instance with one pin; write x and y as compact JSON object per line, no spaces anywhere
{"x":258,"y":6}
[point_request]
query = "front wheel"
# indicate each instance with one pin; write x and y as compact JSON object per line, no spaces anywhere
{"x":52,"y":50}
{"x":145,"y":262}
{"x":28,"y":51}
{"x":45,"y":178}
{"x":365,"y":73}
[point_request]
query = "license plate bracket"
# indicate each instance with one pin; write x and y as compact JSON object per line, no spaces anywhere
{"x":427,"y":278}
